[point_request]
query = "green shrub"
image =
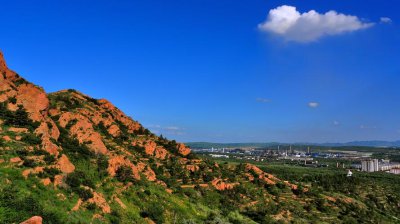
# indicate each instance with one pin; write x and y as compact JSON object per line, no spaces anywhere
{"x":154,"y":211}
{"x":67,"y":102}
{"x":21,"y":153}
{"x":83,"y":193}
{"x":71,"y":123}
{"x":16,"y":206}
{"x":124,"y":174}
{"x":102,"y":129}
{"x":30,"y":163}
{"x":78,"y":178}
{"x":12,"y":100}
{"x":18,"y":118}
{"x":91,"y":206}
{"x":20,"y":81}
{"x":49,"y":173}
{"x":2,"y":142}
{"x":136,"y":148}
{"x":31,"y":139}
{"x":72,"y":147}
{"x":49,"y":158}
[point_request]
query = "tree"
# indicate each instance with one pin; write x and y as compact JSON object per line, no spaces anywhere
{"x":124,"y":174}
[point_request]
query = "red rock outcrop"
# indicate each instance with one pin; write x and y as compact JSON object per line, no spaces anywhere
{"x":48,"y":132}
{"x":65,"y":165}
{"x":18,"y":130}
{"x":77,"y":205}
{"x":119,"y":115}
{"x":149,"y":174}
{"x":116,"y":199}
{"x":118,"y":161}
{"x":7,"y":138}
{"x":266,"y":177}
{"x":15,"y":160}
{"x":161,"y":153}
{"x":83,"y":130}
{"x":150,"y":147}
{"x":33,"y":220}
{"x":99,"y":200}
{"x":6,"y":74}
{"x":3,"y":65}
{"x":58,"y":180}
{"x":221,"y":185}
{"x":35,"y":170}
{"x":46,"y":181}
{"x":33,"y":99}
{"x":192,"y":168}
{"x":50,"y":147}
{"x":183,"y":149}
{"x":114,"y":130}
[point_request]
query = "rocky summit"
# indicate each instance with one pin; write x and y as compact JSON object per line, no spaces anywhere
{"x":68,"y":158}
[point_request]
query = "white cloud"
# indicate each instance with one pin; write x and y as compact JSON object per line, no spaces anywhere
{"x":336,"y":123}
{"x":287,"y":22}
{"x":386,"y":20}
{"x":367,"y":127}
{"x":313,"y":104}
{"x":170,"y":130}
{"x":153,"y":127}
{"x":263,"y":100}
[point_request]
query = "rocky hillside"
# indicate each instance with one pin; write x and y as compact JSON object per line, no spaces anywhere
{"x":72,"y":142}
{"x":68,"y":158}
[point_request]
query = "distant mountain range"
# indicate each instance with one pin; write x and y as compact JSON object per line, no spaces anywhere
{"x":198,"y":145}
{"x":366,"y":143}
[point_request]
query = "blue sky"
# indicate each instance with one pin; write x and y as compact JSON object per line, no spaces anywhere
{"x":220,"y":71}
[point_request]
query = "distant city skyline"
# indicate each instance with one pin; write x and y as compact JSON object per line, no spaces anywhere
{"x":221,"y":71}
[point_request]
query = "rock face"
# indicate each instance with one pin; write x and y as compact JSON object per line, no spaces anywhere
{"x":150,"y":147}
{"x":99,"y":200}
{"x":33,"y":220}
{"x":32,"y":99}
{"x":3,"y":65}
{"x":83,"y":130}
{"x":64,"y":165}
{"x":119,"y":161}
{"x":266,"y":177}
{"x":161,"y":153}
{"x":15,"y":160}
{"x":183,"y":149}
{"x":221,"y":185}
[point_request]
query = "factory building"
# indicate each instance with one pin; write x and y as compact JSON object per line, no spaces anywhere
{"x":371,"y":165}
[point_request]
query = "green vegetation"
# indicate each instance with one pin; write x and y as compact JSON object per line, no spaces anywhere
{"x":18,"y":118}
{"x":19,"y":201}
{"x":358,"y":199}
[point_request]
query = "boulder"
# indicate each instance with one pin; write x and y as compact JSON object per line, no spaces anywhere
{"x":65,"y":165}
{"x":33,"y":220}
{"x":183,"y":149}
